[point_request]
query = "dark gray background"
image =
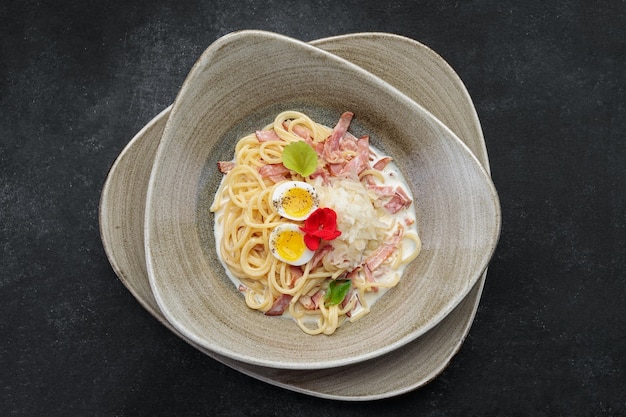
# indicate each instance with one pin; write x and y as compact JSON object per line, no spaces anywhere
{"x":79,"y":78}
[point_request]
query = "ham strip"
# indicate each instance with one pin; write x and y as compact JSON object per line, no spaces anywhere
{"x":266,"y":135}
{"x":306,"y":302}
{"x":321,"y":172}
{"x":367,"y":273}
{"x":384,"y":251}
{"x":296,"y":274}
{"x":311,"y":302}
{"x":319,"y":255}
{"x":275,"y":172}
{"x":298,"y":130}
{"x":304,"y":133}
{"x":380,"y":190}
{"x":225,"y":166}
{"x":280,"y":305}
{"x":382,"y":163}
{"x":361,"y":161}
{"x":341,"y":127}
{"x":348,"y":143}
{"x":347,"y":299}
{"x":369,"y":277}
{"x":398,"y":201}
{"x":332,"y":149}
{"x":335,"y":169}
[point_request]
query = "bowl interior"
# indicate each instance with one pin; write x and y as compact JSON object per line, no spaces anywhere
{"x":236,"y":87}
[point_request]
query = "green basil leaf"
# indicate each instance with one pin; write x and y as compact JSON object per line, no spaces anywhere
{"x":300,"y":157}
{"x":337,"y":291}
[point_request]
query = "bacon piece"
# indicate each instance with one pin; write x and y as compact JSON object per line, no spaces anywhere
{"x":275,"y":172}
{"x":394,"y":205}
{"x":298,"y":130}
{"x":367,"y":273}
{"x":361,"y":161}
{"x":399,"y":201}
{"x":318,"y":147}
{"x":225,"y":166}
{"x":332,"y":150}
{"x":296,"y":273}
{"x":400,"y":191}
{"x":266,"y":135}
{"x":384,"y":251}
{"x":352,"y":274}
{"x":307,"y":302}
{"x":380,"y":190}
{"x":341,"y":127}
{"x":317,"y":297}
{"x":280,"y":305}
{"x":321,"y":172}
{"x":369,"y":277}
{"x":335,"y":169}
{"x":347,"y":299}
{"x":348,"y":143}
{"x":311,"y":302}
{"x":382,"y":163}
{"x":304,"y":133}
{"x":319,"y":255}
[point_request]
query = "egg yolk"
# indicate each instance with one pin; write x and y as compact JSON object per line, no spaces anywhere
{"x":290,"y":245}
{"x":297,"y":202}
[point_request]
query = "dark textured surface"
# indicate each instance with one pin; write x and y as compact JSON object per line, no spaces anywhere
{"x":79,"y":78}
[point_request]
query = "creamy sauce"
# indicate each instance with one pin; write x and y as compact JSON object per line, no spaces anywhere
{"x":407,"y":217}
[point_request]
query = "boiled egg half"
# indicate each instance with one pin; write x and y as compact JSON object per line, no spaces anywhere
{"x":295,"y":200}
{"x":287,"y":244}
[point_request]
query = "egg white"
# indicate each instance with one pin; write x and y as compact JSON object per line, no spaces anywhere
{"x":275,"y":235}
{"x":281,"y":190}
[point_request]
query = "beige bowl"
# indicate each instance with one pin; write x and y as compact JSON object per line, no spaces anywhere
{"x":238,"y":85}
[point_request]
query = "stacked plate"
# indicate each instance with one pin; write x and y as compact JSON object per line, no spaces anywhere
{"x":142,"y":219}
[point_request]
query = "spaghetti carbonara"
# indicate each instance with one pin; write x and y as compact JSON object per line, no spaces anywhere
{"x":312,"y":222}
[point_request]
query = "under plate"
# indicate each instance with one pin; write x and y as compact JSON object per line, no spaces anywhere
{"x":416,"y":71}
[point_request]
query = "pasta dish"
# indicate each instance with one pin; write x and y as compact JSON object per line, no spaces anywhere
{"x":313,"y":223}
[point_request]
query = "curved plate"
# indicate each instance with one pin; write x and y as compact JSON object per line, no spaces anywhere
{"x":422,"y":75}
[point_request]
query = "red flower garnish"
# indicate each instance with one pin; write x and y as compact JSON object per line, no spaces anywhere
{"x":321,"y":224}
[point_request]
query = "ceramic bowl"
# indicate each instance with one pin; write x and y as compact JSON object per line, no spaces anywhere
{"x":424,"y":76}
{"x":238,"y":84}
